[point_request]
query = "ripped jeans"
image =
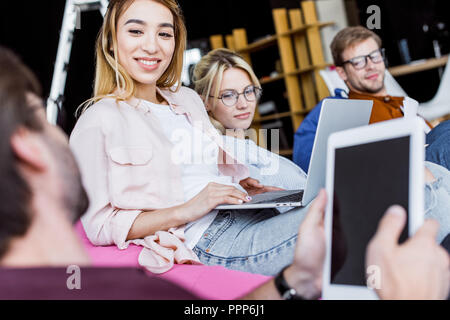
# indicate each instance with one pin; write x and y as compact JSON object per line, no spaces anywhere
{"x":263,"y":240}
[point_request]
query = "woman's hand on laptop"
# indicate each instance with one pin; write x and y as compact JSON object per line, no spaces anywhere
{"x":415,"y":269}
{"x":305,"y":273}
{"x":252,"y":186}
{"x":209,"y":198}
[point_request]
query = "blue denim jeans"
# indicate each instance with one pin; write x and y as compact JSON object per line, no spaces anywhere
{"x":437,"y":199}
{"x":438,"y":149}
{"x":257,"y":241}
{"x":263,"y":240}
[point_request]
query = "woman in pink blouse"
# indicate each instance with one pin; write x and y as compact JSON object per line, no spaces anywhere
{"x":152,"y":162}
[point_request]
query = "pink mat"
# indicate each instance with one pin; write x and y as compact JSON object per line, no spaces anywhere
{"x":208,"y":282}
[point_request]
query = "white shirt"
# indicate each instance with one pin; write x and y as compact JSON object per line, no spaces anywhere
{"x":197,"y":156}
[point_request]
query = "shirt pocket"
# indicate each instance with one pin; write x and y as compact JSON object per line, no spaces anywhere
{"x":130,"y":178}
{"x":131,"y":156}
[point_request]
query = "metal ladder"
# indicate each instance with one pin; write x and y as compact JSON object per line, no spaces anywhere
{"x":71,"y":21}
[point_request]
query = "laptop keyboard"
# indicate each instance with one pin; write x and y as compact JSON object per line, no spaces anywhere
{"x":294,"y":197}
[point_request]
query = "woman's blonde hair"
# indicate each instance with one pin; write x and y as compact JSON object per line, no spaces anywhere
{"x":209,"y":71}
{"x":110,"y":75}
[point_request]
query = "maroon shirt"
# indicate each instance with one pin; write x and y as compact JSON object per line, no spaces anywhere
{"x":96,"y":283}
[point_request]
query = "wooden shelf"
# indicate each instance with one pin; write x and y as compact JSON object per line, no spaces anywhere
{"x":259,"y":45}
{"x":418,"y":66}
{"x":306,"y":27}
{"x":285,"y":152}
{"x":266,"y":80}
{"x":308,"y":69}
{"x":272,"y":39}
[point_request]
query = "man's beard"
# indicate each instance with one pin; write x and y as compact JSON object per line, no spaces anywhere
{"x":74,"y":197}
{"x":366,"y":89}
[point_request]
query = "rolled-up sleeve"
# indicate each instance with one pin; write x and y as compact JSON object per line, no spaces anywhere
{"x":104,"y":224}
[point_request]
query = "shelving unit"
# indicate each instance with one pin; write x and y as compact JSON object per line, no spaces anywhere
{"x":297,"y":37}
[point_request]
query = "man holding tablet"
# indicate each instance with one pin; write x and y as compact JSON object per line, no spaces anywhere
{"x":364,"y":177}
{"x":403,"y":266}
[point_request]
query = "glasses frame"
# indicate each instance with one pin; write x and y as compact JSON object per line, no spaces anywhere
{"x":257,"y":91}
{"x":351,"y":61}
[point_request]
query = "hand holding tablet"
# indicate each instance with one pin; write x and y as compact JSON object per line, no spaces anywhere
{"x":360,"y":244}
{"x":417,"y":269}
{"x":369,"y":169}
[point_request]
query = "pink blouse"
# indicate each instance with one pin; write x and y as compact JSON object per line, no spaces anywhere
{"x":126,"y":167}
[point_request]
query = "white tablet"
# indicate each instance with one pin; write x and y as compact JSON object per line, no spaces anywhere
{"x":369,"y":169}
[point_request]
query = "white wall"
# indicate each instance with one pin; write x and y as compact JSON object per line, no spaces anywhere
{"x":331,"y":10}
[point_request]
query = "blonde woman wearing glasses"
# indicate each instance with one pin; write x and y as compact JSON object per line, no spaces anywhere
{"x":230,"y":90}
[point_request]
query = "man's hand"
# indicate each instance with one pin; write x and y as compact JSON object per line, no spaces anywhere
{"x":305,"y":273}
{"x":252,"y":186}
{"x":416,"y":269}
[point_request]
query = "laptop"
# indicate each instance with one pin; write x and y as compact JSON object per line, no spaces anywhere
{"x":369,"y":169}
{"x":335,"y":115}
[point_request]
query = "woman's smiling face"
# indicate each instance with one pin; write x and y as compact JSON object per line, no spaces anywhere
{"x":145,"y":41}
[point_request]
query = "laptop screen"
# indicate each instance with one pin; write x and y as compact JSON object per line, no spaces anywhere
{"x":368,"y":178}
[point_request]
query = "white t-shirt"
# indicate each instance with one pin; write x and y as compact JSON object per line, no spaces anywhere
{"x":197,"y":156}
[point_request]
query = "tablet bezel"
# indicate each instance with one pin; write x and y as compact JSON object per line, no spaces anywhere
{"x":413,"y":127}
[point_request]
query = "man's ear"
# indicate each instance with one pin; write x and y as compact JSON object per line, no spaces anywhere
{"x":341,"y":72}
{"x":28,"y":148}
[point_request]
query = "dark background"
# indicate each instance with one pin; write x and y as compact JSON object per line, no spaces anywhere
{"x":31,"y":29}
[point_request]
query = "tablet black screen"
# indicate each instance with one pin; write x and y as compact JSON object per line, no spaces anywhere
{"x":368,"y":178}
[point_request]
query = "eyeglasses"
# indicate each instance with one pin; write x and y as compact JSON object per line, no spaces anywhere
{"x":360,"y":62}
{"x":231,"y":97}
